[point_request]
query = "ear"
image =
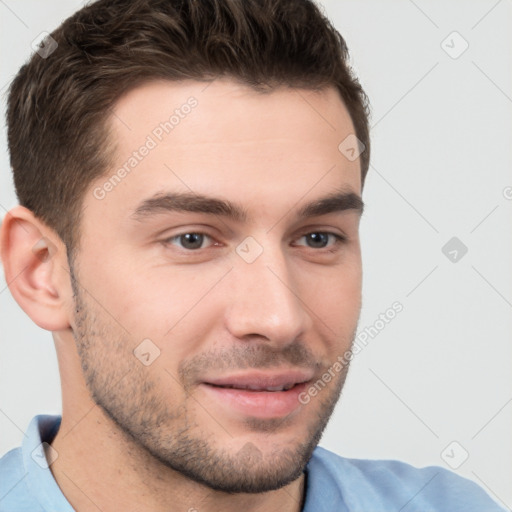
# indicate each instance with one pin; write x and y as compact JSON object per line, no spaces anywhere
{"x":36,"y":268}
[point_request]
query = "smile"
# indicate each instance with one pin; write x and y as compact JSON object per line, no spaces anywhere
{"x":259,"y":395}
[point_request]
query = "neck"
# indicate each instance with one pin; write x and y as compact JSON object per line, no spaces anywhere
{"x":100,"y":467}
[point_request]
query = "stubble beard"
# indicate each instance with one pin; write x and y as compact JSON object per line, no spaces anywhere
{"x":128,"y":394}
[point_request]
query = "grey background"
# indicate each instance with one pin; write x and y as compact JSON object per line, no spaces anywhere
{"x":440,"y":371}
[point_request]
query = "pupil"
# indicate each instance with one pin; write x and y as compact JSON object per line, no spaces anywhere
{"x":192,"y":240}
{"x":318,"y":239}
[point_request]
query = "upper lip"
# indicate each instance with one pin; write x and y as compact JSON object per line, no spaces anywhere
{"x":263,"y":380}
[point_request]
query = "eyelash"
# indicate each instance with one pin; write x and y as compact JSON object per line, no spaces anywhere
{"x":339,"y":240}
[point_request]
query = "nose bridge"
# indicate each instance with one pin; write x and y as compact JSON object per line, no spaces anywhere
{"x":264,"y":301}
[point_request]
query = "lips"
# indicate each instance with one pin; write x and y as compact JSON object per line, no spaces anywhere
{"x":249,"y":387}
{"x":263,"y":395}
{"x":260,"y":381}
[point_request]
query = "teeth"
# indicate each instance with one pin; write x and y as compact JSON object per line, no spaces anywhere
{"x":268,"y":388}
{"x":284,"y":387}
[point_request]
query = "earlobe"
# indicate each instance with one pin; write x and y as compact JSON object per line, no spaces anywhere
{"x":34,"y":260}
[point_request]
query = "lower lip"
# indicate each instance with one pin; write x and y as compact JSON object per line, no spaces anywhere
{"x":258,"y":404}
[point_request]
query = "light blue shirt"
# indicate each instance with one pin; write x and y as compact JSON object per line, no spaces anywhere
{"x":334,"y":483}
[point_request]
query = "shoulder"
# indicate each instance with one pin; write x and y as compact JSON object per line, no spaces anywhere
{"x":26,"y":482}
{"x":383,"y":485}
{"x":14,"y":494}
{"x":11,"y":469}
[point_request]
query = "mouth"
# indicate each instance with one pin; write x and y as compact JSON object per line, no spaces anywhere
{"x":286,"y":387}
{"x":259,"y":394}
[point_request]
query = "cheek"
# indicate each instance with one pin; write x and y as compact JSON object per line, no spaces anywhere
{"x":173,"y":307}
{"x":342,"y":307}
{"x":335,"y":304}
{"x":334,"y":294}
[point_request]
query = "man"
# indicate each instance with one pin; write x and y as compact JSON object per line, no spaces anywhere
{"x":188,"y":232}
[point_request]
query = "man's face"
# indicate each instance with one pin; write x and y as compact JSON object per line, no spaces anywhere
{"x":224,"y":312}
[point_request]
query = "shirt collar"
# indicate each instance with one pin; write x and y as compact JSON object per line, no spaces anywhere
{"x":40,"y":481}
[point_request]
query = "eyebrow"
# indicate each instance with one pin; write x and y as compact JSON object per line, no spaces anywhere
{"x":189,"y":202}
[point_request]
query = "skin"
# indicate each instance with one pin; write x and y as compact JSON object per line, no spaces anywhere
{"x":130,"y":433}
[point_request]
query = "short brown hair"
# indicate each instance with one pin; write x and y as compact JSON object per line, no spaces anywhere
{"x":58,"y":107}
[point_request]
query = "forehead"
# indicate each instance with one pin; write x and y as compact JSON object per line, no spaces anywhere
{"x":227,"y":139}
{"x":226,"y":109}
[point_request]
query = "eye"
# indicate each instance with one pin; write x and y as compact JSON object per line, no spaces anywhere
{"x":320,"y":239}
{"x":190,"y":241}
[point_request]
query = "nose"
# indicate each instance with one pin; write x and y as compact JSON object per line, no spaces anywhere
{"x":265,"y":301}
